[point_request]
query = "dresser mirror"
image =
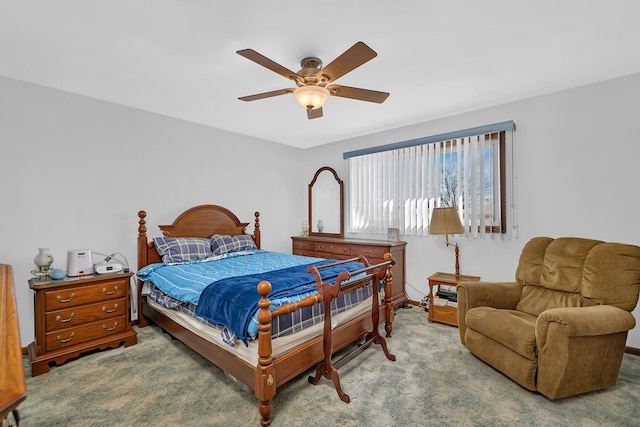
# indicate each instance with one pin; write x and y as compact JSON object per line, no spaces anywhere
{"x":326,"y":212}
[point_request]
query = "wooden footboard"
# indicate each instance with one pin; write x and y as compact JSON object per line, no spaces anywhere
{"x":270,"y":372}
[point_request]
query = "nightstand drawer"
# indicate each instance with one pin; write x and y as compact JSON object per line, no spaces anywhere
{"x":70,"y":297}
{"x":72,"y":317}
{"x":72,"y":336}
{"x":370,"y":252}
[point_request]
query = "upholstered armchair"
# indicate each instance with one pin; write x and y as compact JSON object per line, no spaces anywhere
{"x":561,"y":327}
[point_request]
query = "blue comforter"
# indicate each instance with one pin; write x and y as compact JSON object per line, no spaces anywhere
{"x":232,"y":276}
{"x":233,"y":301}
{"x":186,"y":281}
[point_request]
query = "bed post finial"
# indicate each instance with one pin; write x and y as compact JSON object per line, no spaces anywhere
{"x":142,"y":227}
{"x":143,"y":259}
{"x":256,"y":229}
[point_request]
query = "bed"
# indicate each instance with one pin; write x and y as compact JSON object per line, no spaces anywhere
{"x":265,"y":363}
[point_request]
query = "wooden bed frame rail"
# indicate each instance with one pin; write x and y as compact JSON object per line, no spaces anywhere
{"x":270,"y":372}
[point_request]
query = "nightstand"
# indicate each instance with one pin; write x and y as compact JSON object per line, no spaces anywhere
{"x":78,"y":314}
{"x":445,"y":313}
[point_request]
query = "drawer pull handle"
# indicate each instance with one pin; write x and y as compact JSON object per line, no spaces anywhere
{"x":72,"y":296}
{"x":73,"y":334}
{"x":61,"y":320}
{"x":303,"y":245}
{"x":104,"y":308}
{"x":115,"y":325}
{"x":110,"y":293}
{"x":368,"y":252}
{"x":343,"y":249}
{"x":321,"y":248}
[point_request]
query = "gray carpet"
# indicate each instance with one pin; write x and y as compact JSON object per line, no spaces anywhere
{"x":434,"y":382}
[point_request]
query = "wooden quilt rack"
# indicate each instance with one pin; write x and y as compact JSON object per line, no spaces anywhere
{"x":375,"y":273}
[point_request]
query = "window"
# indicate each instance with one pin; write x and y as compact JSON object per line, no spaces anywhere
{"x":398,"y":185}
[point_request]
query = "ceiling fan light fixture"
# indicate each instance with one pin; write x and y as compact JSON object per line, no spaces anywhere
{"x":311,"y":97}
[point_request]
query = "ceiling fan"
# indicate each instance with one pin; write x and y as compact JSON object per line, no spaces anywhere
{"x":312,"y":80}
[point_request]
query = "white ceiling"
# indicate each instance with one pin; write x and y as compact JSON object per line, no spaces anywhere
{"x":435,"y":57}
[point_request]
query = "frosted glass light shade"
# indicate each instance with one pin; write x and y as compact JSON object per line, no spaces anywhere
{"x":311,"y":97}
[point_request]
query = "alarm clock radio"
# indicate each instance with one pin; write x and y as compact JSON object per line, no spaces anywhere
{"x":107,"y":267}
{"x":79,"y":262}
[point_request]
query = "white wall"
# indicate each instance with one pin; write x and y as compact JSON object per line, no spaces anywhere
{"x":60,"y":151}
{"x":71,"y":169}
{"x":576,"y":156}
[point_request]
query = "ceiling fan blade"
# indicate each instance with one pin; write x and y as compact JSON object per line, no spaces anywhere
{"x":351,"y":59}
{"x":266,"y":94}
{"x":268,"y":63}
{"x":314,"y":114}
{"x":357,"y":93}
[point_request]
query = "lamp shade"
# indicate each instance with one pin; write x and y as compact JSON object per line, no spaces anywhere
{"x":311,"y":97}
{"x":445,"y":221}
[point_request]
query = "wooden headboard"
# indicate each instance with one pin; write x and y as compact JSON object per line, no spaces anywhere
{"x":199,"y":221}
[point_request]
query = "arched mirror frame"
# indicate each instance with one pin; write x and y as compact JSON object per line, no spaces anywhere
{"x":312,"y":225}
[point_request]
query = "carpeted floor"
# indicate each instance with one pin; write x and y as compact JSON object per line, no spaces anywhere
{"x":434,"y":382}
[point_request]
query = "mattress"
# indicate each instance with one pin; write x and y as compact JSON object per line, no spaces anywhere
{"x":249,"y":353}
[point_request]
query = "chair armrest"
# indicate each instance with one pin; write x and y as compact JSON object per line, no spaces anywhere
{"x":580,"y":349}
{"x":585,"y":321}
{"x":485,"y":294}
{"x":489,"y":294}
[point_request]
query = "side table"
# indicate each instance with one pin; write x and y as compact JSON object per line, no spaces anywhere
{"x":445,"y":313}
{"x":79,"y":314}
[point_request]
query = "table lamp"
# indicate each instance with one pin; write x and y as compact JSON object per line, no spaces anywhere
{"x":447,"y":221}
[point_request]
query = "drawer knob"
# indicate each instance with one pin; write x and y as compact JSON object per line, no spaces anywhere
{"x":61,"y":320}
{"x":115,"y":325}
{"x":115,"y":289}
{"x":104,"y":308}
{"x":72,"y":296}
{"x":73,"y":334}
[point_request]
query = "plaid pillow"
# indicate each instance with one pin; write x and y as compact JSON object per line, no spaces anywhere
{"x":224,"y":244}
{"x":179,"y":249}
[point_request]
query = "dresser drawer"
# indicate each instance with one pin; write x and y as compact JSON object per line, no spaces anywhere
{"x":80,"y":334}
{"x":304,"y":253}
{"x":370,"y":252}
{"x":77,"y":316}
{"x":332,"y":248}
{"x":303,"y":245}
{"x":73,"y":296}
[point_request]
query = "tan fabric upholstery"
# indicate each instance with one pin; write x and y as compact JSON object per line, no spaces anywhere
{"x":561,"y":327}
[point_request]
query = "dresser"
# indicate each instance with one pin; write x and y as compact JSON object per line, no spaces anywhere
{"x":79,"y":314}
{"x":344,"y":248}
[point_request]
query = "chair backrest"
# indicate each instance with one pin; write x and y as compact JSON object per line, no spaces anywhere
{"x":576,"y":272}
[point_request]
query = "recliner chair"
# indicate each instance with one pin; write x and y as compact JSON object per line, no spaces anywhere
{"x":561,"y":327}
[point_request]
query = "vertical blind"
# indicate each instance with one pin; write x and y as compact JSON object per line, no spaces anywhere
{"x":391,"y":187}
